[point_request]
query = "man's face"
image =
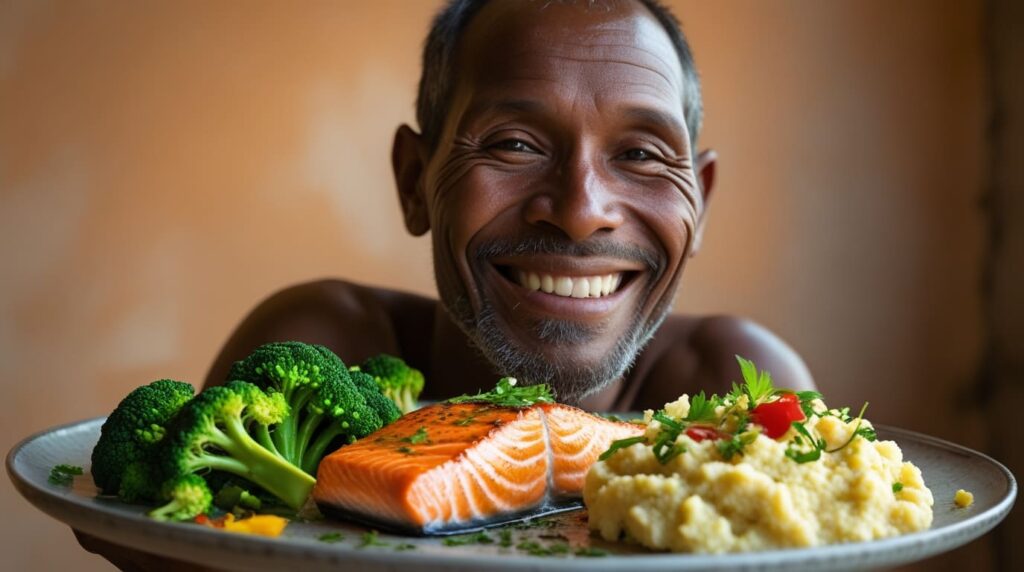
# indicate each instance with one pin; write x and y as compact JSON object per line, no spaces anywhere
{"x":562,"y":194}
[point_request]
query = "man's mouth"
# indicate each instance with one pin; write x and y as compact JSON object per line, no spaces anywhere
{"x":569,"y":286}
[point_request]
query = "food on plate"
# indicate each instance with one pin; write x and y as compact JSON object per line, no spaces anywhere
{"x":285,"y":405}
{"x":212,"y":433}
{"x":397,"y":381}
{"x":63,"y":474}
{"x":757,"y":469}
{"x":325,"y":401}
{"x":467,"y":462}
{"x":963,"y":499}
{"x":257,"y":524}
{"x":130,"y":433}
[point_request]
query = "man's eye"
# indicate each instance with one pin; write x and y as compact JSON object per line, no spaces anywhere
{"x":514,"y":145}
{"x":637,"y":155}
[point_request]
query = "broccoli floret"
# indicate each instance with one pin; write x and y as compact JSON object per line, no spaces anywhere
{"x":212,"y":431}
{"x":397,"y":381}
{"x":324,"y":401}
{"x":384,"y":407}
{"x":132,"y":430}
{"x":187,"y":496}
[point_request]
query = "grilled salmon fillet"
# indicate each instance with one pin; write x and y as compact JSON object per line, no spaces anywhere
{"x":454,"y":466}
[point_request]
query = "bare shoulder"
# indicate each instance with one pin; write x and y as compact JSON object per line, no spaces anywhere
{"x":353,"y":320}
{"x":698,"y":353}
{"x":719,"y":339}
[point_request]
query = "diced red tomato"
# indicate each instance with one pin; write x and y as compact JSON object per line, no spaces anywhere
{"x":777,"y":416}
{"x":701,"y":432}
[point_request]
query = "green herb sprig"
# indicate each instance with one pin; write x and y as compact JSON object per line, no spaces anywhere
{"x":508,"y":394}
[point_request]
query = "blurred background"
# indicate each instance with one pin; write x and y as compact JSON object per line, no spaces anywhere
{"x":166,"y":165}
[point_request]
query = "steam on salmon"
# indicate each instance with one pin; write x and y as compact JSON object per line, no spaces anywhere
{"x":454,"y":466}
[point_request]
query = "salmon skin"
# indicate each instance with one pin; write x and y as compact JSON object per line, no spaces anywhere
{"x":450,"y":468}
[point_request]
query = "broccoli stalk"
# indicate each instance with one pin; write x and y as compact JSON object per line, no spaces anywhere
{"x":397,"y":381}
{"x":212,"y":433}
{"x":324,"y":401}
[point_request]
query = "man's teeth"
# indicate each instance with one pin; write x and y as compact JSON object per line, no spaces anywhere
{"x":571,"y":286}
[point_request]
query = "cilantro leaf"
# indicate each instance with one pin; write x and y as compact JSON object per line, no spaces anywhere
{"x":757,"y":385}
{"x":702,"y":408}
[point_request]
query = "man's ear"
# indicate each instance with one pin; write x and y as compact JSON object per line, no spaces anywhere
{"x":408,"y":161}
{"x":707,"y":161}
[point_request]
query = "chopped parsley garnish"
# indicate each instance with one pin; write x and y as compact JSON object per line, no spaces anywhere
{"x":729,"y":448}
{"x":64,"y":475}
{"x":331,"y":537}
{"x":507,"y":394}
{"x":419,"y":437}
{"x":806,"y":397}
{"x":372,"y":538}
{"x":404,"y":546}
{"x":590,"y":552}
{"x":735,"y":420}
{"x":804,"y":448}
{"x":897,"y":487}
{"x":665,"y":447}
{"x":466,"y":420}
{"x":537,"y":523}
{"x":405,"y":450}
{"x":476,"y":538}
{"x":534,"y":548}
{"x":505,"y":538}
{"x":868,"y":432}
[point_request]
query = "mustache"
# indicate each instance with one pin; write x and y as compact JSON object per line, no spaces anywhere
{"x":501,"y":247}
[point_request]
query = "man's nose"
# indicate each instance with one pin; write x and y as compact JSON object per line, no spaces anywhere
{"x":579,"y":202}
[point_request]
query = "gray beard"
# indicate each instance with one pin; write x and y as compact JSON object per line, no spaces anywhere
{"x":570,"y":381}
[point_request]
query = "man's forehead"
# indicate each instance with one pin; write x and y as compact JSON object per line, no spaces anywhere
{"x":610,"y":31}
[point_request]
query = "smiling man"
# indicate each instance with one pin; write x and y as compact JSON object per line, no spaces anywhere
{"x":557,"y":172}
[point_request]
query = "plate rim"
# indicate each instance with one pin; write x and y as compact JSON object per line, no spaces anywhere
{"x":915,"y":543}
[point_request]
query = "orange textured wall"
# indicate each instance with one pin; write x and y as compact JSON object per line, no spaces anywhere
{"x":164,"y":165}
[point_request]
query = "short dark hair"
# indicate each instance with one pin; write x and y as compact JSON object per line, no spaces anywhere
{"x":436,"y":82}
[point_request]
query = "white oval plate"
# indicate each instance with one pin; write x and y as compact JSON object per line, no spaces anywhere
{"x":946,"y":467}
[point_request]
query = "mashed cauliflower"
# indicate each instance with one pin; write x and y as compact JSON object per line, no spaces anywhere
{"x":697,"y":500}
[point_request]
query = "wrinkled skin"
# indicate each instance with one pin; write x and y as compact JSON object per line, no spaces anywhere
{"x":566,"y":130}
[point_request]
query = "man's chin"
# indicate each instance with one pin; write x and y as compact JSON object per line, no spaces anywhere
{"x":561,"y":353}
